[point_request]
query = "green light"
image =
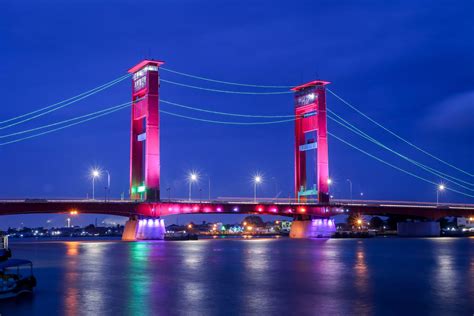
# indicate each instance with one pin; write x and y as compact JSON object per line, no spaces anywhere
{"x":134,"y":190}
{"x":141,"y":189}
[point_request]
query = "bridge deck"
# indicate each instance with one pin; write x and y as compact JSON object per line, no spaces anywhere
{"x":155,"y":209}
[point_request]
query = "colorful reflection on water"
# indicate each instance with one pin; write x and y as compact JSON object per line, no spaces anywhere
{"x":250,"y":276}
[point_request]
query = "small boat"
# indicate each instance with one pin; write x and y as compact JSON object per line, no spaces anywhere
{"x":16,"y":278}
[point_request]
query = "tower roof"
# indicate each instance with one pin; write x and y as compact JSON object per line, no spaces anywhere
{"x":144,"y":63}
{"x":310,"y":84}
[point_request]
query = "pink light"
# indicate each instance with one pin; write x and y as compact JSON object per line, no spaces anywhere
{"x":274,"y":210}
{"x":260,"y":208}
{"x":196,"y":208}
{"x":219,"y":209}
{"x":289,"y":210}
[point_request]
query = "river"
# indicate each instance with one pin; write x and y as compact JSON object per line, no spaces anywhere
{"x":378,"y":276}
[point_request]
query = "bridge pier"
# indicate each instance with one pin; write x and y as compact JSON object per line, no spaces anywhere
{"x":418,"y":229}
{"x":312,"y":228}
{"x":144,"y":229}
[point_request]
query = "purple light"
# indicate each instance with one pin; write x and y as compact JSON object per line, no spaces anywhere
{"x":219,"y":209}
{"x":236,"y":209}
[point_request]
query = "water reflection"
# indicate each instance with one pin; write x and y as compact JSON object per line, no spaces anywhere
{"x":139,"y":278}
{"x":444,"y":275}
{"x":72,"y":248}
{"x":361,"y":274}
{"x":263,"y":277}
{"x":71,"y":304}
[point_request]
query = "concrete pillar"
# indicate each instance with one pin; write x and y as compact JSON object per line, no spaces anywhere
{"x":418,"y":229}
{"x":144,"y":229}
{"x":312,"y":228}
{"x":130,"y":230}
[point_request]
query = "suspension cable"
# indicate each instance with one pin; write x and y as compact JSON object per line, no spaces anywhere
{"x":224,"y":91}
{"x":69,"y":101}
{"x":225,"y":82}
{"x":62,"y":127}
{"x":393,"y":166}
{"x":226,"y":122}
{"x":420,"y":165}
{"x":375,"y":141}
{"x":123,"y":105}
{"x":396,"y":135}
{"x":224,"y":113}
{"x":329,"y":90}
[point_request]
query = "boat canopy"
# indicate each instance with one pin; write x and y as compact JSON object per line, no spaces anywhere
{"x":14,"y":263}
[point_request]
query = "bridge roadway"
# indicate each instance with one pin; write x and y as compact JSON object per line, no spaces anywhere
{"x":282,"y":207}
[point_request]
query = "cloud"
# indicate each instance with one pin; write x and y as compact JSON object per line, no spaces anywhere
{"x":452,"y":115}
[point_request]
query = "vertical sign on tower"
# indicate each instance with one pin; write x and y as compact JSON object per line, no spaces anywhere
{"x":310,"y":113}
{"x":145,"y":131}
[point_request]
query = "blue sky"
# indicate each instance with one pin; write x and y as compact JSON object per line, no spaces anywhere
{"x":409,"y":65}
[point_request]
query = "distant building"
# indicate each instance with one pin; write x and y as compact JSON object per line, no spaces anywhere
{"x":464,"y":222}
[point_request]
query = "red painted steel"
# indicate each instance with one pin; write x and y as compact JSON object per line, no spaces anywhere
{"x":145,"y":121}
{"x":157,"y":209}
{"x":310,"y":111}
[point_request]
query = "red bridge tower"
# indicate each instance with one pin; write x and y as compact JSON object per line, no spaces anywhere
{"x":311,"y":134}
{"x":145,"y":132}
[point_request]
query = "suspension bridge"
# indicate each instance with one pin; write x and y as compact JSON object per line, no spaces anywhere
{"x":312,"y":206}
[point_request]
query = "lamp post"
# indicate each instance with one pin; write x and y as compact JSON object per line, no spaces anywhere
{"x":107,"y":189}
{"x":350,"y":187}
{"x":440,"y":188}
{"x":256,"y":180}
{"x":192,"y":178}
{"x":209,"y":186}
{"x":94,"y":174}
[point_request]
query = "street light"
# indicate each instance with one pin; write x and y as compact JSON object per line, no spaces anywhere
{"x":329,"y":181}
{"x":441,"y":188}
{"x":107,"y":189}
{"x":95,"y":173}
{"x":256,"y":180}
{"x":192,"y":178}
{"x":350,"y":185}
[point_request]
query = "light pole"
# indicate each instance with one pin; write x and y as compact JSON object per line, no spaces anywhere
{"x":95,"y":174}
{"x":440,"y":188}
{"x":256,"y":180}
{"x":329,"y":184}
{"x":192,"y":178}
{"x":209,"y":186}
{"x":350,"y":187}
{"x":107,"y":192}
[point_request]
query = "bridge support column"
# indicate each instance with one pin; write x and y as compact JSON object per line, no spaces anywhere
{"x":312,"y":228}
{"x":144,"y":229}
{"x":418,"y":229}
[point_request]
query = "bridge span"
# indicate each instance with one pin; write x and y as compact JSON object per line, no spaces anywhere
{"x":146,"y":209}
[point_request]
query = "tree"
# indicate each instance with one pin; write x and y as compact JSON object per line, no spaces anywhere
{"x":376,"y":222}
{"x":254,"y":220}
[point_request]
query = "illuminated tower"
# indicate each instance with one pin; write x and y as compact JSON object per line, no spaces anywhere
{"x":145,"y":131}
{"x":311,"y":134}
